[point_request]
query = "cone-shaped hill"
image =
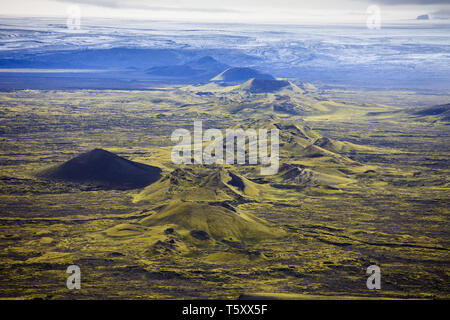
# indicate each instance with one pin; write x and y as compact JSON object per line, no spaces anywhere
{"x":200,"y":185}
{"x":104,"y":169}
{"x":294,"y":136}
{"x":203,"y":222}
{"x":270,"y":97}
{"x":298,"y":175}
{"x":267,"y":86}
{"x":297,"y":139}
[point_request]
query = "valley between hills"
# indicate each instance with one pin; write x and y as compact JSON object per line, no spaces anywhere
{"x":87,"y":178}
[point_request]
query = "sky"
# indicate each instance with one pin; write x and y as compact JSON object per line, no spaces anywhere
{"x":245,"y":11}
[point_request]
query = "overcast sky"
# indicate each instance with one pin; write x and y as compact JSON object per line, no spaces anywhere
{"x":246,"y":11}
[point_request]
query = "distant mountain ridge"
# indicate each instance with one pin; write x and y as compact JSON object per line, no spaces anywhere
{"x":435,"y":113}
{"x":441,"y":112}
{"x":200,"y":69}
{"x":238,"y":75}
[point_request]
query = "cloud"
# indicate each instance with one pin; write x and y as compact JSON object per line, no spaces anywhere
{"x":441,"y":14}
{"x":141,"y":5}
{"x":410,"y":2}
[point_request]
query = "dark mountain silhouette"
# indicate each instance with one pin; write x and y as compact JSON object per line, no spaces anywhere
{"x":441,"y":111}
{"x":423,"y":17}
{"x":104,"y":169}
{"x":112,"y":58}
{"x":207,"y":63}
{"x":430,"y":113}
{"x":240,"y":75}
{"x":201,"y":69}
